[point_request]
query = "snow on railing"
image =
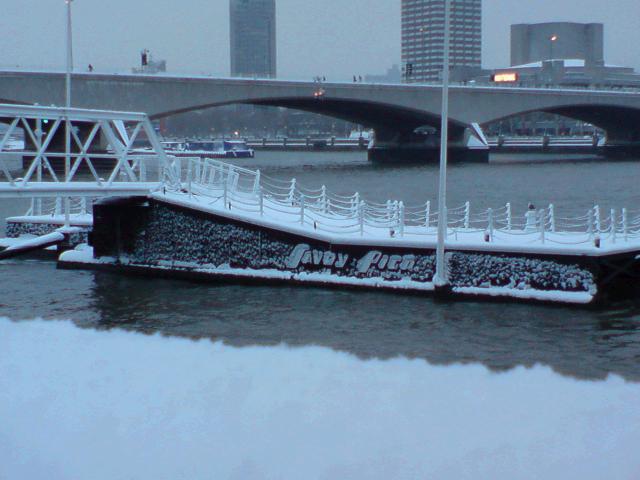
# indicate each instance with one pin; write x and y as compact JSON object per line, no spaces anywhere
{"x":55,"y":206}
{"x":251,"y":192}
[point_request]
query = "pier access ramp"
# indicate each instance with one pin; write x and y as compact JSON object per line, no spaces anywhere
{"x":80,"y":153}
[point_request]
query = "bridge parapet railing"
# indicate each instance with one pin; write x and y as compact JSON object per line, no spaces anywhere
{"x":288,"y":202}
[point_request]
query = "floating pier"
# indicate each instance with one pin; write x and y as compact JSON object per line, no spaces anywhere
{"x":225,"y":223}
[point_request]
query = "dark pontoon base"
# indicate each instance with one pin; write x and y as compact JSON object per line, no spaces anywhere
{"x":444,"y":295}
{"x":409,"y":155}
{"x":621,"y":152}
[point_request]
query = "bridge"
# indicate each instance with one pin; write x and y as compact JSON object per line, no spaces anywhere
{"x":393,"y":111}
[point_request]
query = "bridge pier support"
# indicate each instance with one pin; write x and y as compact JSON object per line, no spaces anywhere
{"x":622,"y":144}
{"x":620,"y":151}
{"x":424,"y":147}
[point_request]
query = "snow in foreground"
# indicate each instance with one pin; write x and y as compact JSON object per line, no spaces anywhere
{"x":113,"y":405}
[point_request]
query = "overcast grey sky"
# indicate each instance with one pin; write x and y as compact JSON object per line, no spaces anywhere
{"x":336,"y":38}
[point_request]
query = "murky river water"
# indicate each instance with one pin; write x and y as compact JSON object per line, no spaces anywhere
{"x":584,"y":344}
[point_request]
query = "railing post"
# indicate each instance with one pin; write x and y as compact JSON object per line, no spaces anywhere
{"x":178,"y":168}
{"x":301,"y":208}
{"x":231,"y":178}
{"x":428,"y":215}
{"x":598,"y":225}
{"x":292,"y":191}
{"x":361,"y":207}
{"x":509,"y":217}
{"x":256,"y":182}
{"x":490,"y":225}
{"x":355,"y":202}
{"x":613,"y":227}
{"x":261,"y":200}
{"x":199,"y":170}
{"x":552,"y":217}
{"x":625,"y":225}
{"x":83,"y":205}
{"x":323,"y":199}
{"x":58,"y":206}
{"x":543,"y":225}
{"x":189,"y":174}
{"x":401,"y":218}
{"x":389,"y":210}
{"x":467,"y":214}
{"x":225,"y":193}
{"x":590,"y":224}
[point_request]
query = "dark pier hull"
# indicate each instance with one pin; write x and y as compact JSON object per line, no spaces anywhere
{"x":426,"y":155}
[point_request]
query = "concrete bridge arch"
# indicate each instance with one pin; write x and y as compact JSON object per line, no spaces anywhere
{"x":389,"y":108}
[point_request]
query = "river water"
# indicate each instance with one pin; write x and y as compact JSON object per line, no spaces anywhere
{"x":579,"y":343}
{"x":323,"y":383}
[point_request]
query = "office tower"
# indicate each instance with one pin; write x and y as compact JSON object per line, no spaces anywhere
{"x":253,"y":38}
{"x":423,"y":39}
{"x":557,"y":41}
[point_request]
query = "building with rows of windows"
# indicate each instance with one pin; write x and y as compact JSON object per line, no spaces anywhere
{"x":423,"y":39}
{"x":253,"y":38}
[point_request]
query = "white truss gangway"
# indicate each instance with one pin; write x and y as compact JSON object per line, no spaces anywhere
{"x":81,"y":153}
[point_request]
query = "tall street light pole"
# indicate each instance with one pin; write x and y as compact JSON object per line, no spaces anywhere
{"x":67,"y":142}
{"x":552,"y":39}
{"x":69,"y":55}
{"x":441,"y":277}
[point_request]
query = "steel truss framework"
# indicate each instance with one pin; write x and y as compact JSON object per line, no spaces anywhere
{"x":114,"y":132}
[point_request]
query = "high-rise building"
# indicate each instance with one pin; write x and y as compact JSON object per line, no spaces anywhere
{"x":557,"y":41}
{"x":253,"y":38}
{"x":423,"y":39}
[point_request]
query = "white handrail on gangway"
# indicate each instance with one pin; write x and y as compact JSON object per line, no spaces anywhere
{"x":218,"y":185}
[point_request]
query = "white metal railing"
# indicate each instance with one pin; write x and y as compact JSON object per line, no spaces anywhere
{"x":53,"y":207}
{"x":106,"y":138}
{"x":288,"y":202}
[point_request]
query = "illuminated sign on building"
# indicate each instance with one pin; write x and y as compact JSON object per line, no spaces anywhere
{"x":505,"y":77}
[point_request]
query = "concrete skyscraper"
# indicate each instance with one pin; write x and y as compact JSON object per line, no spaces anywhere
{"x":558,"y":40}
{"x":253,"y":38}
{"x":423,"y":39}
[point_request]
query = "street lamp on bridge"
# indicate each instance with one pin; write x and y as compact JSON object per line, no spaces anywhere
{"x":552,"y":39}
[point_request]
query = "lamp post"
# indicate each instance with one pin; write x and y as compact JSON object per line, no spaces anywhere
{"x":67,"y":141}
{"x":441,"y":278}
{"x":69,"y":55}
{"x":552,"y":39}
